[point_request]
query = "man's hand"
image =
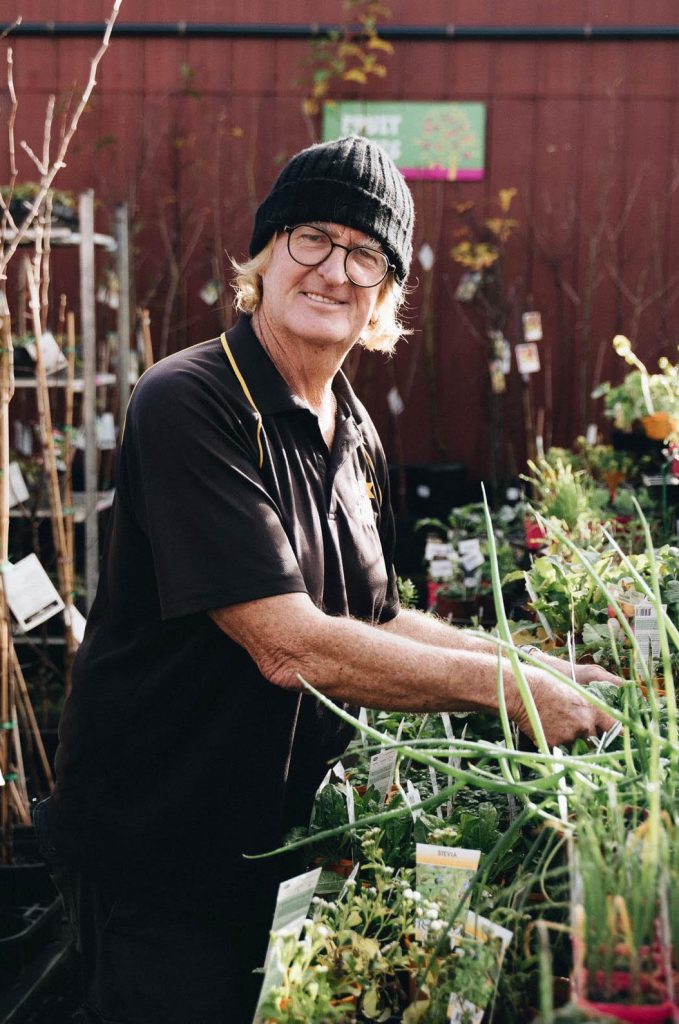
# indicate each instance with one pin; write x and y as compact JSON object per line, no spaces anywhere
{"x":564,"y":714}
{"x":584,"y":674}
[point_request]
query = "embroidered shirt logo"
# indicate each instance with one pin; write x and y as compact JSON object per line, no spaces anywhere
{"x":364,"y":509}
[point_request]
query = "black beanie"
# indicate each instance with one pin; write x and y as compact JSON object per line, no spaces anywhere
{"x":349,"y":181}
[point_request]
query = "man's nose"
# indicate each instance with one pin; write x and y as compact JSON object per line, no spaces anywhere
{"x":332,"y":268}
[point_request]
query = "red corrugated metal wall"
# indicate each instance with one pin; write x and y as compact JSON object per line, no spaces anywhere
{"x":191,"y":131}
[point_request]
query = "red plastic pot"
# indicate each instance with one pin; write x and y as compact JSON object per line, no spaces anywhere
{"x":640,"y":1013}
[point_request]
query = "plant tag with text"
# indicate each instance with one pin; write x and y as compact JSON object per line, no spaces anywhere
{"x":292,"y":907}
{"x":646,"y":632}
{"x":381,"y":772}
{"x":444,"y":874}
{"x":31,"y":595}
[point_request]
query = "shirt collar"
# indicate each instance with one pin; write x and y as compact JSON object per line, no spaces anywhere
{"x":270,"y":391}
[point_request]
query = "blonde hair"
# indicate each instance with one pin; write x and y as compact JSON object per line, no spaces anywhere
{"x":383,"y":330}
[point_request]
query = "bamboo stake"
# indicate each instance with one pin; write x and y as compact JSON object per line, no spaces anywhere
{"x":69,"y":511}
{"x":47,"y":441}
{"x":145,"y":321}
{"x":6,"y":391}
{"x":18,"y":755}
{"x":32,"y":720}
{"x":20,"y":809}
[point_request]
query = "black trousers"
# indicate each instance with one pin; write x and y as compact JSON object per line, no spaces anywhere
{"x":141,"y":963}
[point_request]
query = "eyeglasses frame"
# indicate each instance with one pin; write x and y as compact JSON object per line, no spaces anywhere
{"x":348,"y":249}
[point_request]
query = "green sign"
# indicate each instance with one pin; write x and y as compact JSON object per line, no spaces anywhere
{"x":439,"y":141}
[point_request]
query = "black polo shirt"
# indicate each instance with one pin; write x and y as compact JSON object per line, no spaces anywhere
{"x":176,"y":755}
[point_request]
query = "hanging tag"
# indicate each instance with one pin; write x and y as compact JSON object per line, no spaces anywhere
{"x":18,"y":491}
{"x":106,"y":432}
{"x":527,"y":359}
{"x":209,"y":293}
{"x":52,"y":356}
{"x":395,"y":402}
{"x":592,"y":434}
{"x":532,"y":326}
{"x":77,"y":621}
{"x":23,"y":439}
{"x":426,"y":257}
{"x":31,"y":595}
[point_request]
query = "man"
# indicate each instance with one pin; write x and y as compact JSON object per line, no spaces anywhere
{"x":250,"y":544}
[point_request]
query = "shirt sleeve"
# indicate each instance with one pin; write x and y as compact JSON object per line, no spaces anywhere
{"x":189,"y":476}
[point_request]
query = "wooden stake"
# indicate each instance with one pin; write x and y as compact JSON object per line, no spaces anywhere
{"x":33,"y":727}
{"x":6,"y":391}
{"x":145,"y":320}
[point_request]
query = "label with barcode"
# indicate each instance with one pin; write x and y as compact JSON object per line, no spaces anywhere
{"x":646,"y":632}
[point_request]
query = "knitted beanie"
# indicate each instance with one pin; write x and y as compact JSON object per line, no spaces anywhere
{"x":349,"y":181}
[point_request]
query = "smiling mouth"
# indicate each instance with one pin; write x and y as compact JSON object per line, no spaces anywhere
{"x":323,"y":299}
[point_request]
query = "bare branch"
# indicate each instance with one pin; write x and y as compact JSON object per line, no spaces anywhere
{"x":10,"y":28}
{"x":49,"y":176}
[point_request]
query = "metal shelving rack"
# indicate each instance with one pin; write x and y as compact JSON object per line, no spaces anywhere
{"x":88,"y":242}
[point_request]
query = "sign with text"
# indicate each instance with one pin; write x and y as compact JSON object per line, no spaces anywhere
{"x":434,"y":141}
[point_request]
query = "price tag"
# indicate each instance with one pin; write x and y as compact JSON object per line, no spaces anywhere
{"x":31,"y":595}
{"x":413,"y":797}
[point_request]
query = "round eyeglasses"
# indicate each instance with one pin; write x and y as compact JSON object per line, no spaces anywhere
{"x":311,"y":246}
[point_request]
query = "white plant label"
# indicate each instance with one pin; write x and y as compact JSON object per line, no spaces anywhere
{"x":106,"y":431}
{"x":527,"y":358}
{"x":52,"y":356}
{"x":444,"y":874}
{"x":440,"y":568}
{"x":363,"y":719}
{"x":426,"y":257}
{"x":395,"y":402}
{"x":31,"y":595}
{"x":413,"y":797}
{"x":23,"y":438}
{"x":381,"y":772}
{"x":351,"y":808}
{"x":646,"y":630}
{"x":435,"y":790}
{"x":471,"y":556}
{"x":438,"y":549}
{"x":18,"y":491}
{"x":592,"y":434}
{"x":292,"y":907}
{"x":532,"y":326}
{"x":77,"y":621}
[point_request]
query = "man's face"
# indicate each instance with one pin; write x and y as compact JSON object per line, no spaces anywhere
{"x":318,"y":304}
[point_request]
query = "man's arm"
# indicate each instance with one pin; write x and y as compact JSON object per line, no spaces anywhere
{"x":353,"y":661}
{"x":430,"y":630}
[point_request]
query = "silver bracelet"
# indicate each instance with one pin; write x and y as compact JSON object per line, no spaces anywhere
{"x":530,"y":649}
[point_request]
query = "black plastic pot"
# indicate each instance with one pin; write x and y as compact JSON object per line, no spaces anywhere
{"x":23,"y":936}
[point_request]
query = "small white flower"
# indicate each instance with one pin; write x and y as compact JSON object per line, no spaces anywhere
{"x":387,"y":870}
{"x":322,"y":931}
{"x":372,"y":890}
{"x":432,"y":913}
{"x":308,"y":922}
{"x":437,"y":926}
{"x":418,"y":911}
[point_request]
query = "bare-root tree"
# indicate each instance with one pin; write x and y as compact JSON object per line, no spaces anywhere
{"x":37,"y":221}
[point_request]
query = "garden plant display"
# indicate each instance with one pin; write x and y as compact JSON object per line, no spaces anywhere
{"x":578,"y":845}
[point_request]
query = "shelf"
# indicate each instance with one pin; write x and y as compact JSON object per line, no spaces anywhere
{"x":104,"y":502}
{"x":58,"y":380}
{"x":62,"y":236}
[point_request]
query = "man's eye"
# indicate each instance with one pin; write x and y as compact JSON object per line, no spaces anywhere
{"x":368,"y":258}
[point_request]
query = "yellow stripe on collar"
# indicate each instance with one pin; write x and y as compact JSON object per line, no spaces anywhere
{"x":246,"y":392}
